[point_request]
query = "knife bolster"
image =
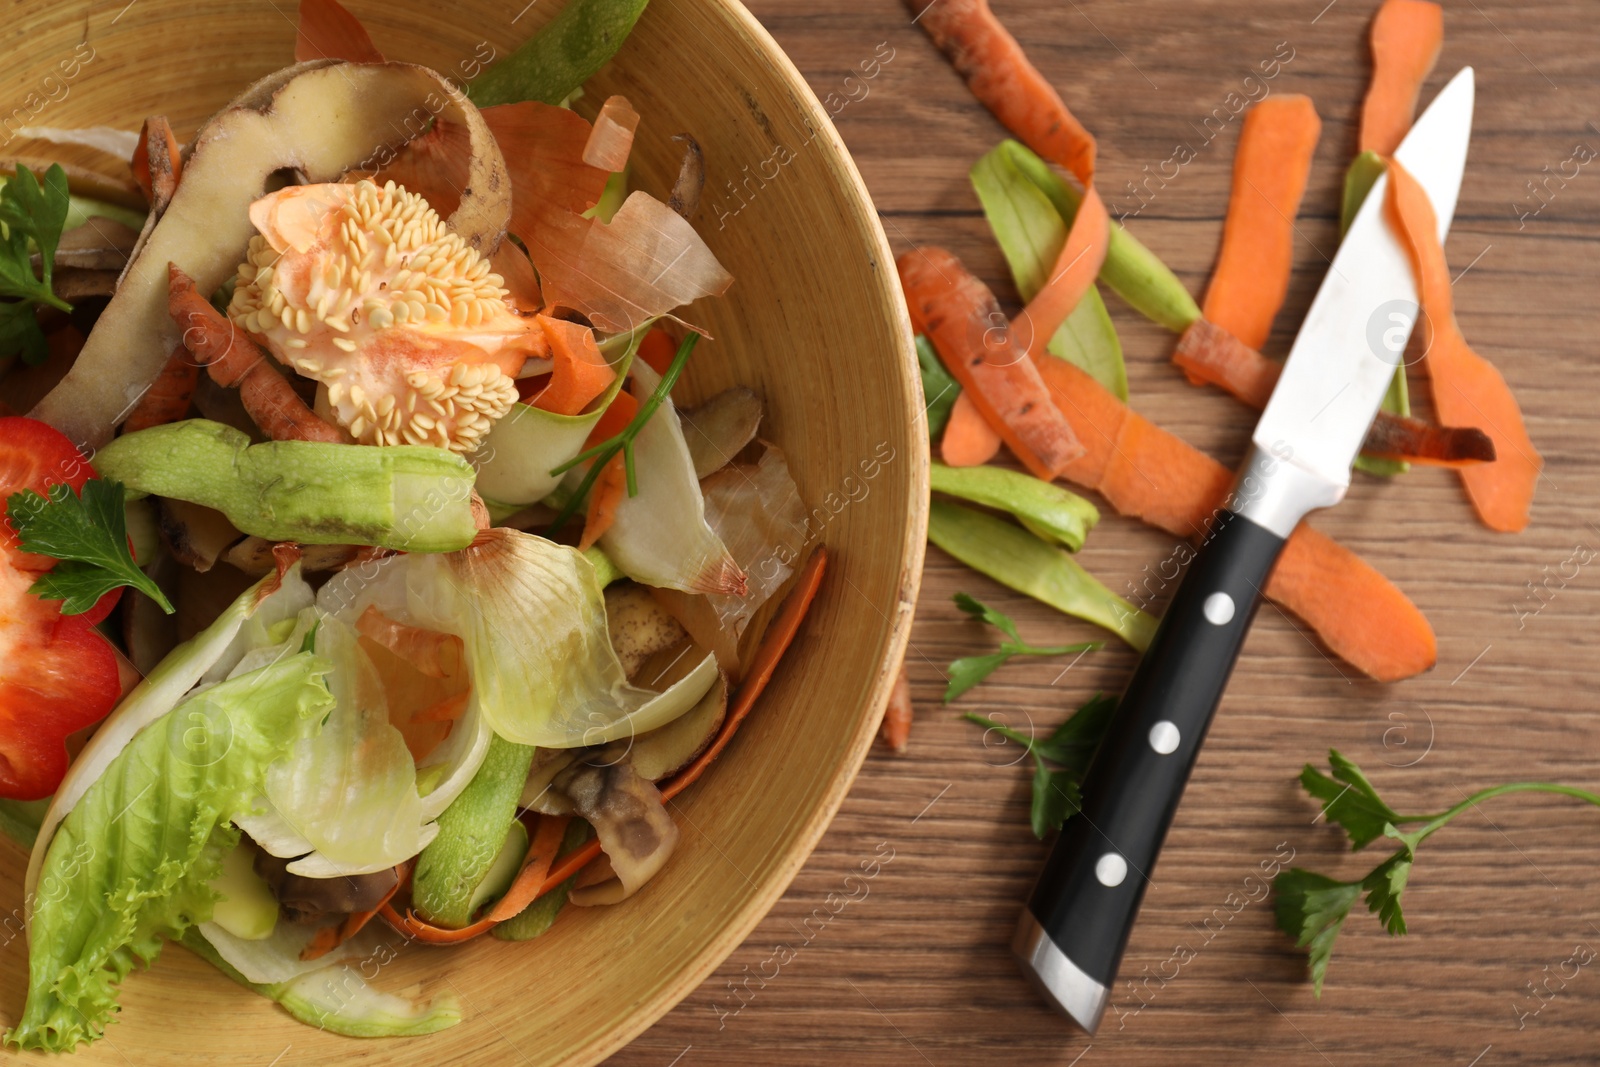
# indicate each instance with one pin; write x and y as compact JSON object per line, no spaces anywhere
{"x":1274,"y":492}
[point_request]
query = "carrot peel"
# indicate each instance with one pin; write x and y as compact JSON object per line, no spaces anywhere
{"x":1209,"y":354}
{"x":962,"y":318}
{"x":1270,"y":170}
{"x":1466,"y":387}
{"x":969,"y":440}
{"x":1406,"y":38}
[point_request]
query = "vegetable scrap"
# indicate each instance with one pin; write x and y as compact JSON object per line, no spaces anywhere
{"x":1070,"y":747}
{"x":1270,"y":168}
{"x":380,"y":677}
{"x":968,"y":671}
{"x":1312,"y":908}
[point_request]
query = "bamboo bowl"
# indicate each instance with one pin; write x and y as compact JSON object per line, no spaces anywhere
{"x":814,"y":322}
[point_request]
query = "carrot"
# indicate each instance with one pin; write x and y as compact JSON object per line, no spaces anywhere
{"x":1000,"y":75}
{"x":657,"y":350}
{"x":580,"y":372}
{"x":604,"y":498}
{"x":1270,"y":169}
{"x":968,"y":441}
{"x":1406,"y":37}
{"x":1155,"y":476}
{"x":156,"y":162}
{"x":167,"y":399}
{"x":327,"y":31}
{"x":1465,"y":385}
{"x":962,"y":318}
{"x":897,"y":714}
{"x":232,"y":359}
{"x":331,"y":937}
{"x":773,"y":645}
{"x":1208,"y":353}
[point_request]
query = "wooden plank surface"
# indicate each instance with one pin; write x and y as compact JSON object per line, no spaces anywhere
{"x":890,"y":945}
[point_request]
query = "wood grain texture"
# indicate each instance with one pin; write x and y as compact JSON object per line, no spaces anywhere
{"x":910,"y":966}
{"x":819,"y":332}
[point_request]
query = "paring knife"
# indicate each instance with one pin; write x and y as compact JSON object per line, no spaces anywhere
{"x":1072,"y":934}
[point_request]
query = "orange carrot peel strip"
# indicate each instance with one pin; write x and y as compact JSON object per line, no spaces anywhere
{"x":232,"y":359}
{"x":1466,"y":387}
{"x":579,"y":372}
{"x":1406,"y":38}
{"x":1000,"y":75}
{"x":962,"y":318}
{"x":167,"y":399}
{"x":897,"y":714}
{"x":541,"y":875}
{"x":605,"y":496}
{"x":1147,"y":473}
{"x":327,"y":31}
{"x":968,"y":440}
{"x":157,"y":164}
{"x":1209,"y":354}
{"x":1270,"y":170}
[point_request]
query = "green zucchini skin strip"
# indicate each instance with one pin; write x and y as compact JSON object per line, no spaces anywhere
{"x":471,"y":832}
{"x":555,"y":62}
{"x":1014,"y":557}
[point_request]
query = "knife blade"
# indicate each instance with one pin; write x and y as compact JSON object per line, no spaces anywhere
{"x":1071,"y":936}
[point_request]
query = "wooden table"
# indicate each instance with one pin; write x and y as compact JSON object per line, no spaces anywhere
{"x":912,"y":966}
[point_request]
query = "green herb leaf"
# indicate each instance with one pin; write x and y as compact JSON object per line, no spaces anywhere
{"x":1055,"y":797}
{"x":1073,"y":743}
{"x":968,"y":671}
{"x":34,"y":213}
{"x":88,"y":534}
{"x":1056,"y":794}
{"x":983,"y":613}
{"x":939,"y":389}
{"x":1311,"y":908}
{"x":1349,"y":800}
{"x":1384,"y":886}
{"x":20,"y":332}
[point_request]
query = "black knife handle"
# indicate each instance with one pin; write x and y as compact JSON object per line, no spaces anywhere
{"x":1078,"y":918}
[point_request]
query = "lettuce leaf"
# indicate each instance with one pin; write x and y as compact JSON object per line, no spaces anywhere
{"x":350,"y":793}
{"x":129,"y":865}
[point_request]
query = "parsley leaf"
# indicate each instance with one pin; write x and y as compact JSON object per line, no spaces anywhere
{"x":1349,"y":800}
{"x":32,"y":215}
{"x":20,"y":332}
{"x":968,"y":671}
{"x":1056,"y":797}
{"x":1312,"y":908}
{"x":88,"y":534}
{"x":1056,"y":793}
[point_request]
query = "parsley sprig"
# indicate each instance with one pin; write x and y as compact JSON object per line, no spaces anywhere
{"x":33,"y":214}
{"x":968,"y":671}
{"x":1312,"y":908}
{"x":606,"y":450}
{"x":88,"y":534}
{"x":1070,"y":747}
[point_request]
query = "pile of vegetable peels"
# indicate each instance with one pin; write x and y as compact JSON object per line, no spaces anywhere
{"x":1049,"y":383}
{"x":298,"y":629}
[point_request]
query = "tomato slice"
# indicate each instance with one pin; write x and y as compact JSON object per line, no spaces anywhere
{"x":35,"y":455}
{"x":57,"y":675}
